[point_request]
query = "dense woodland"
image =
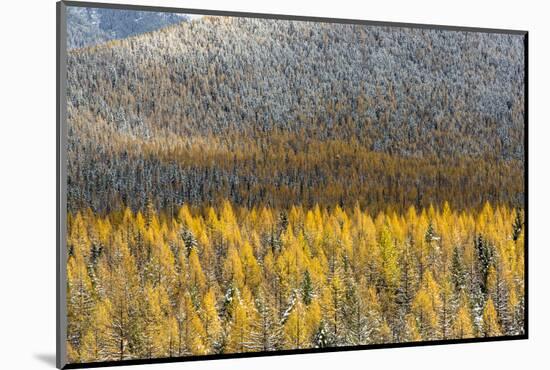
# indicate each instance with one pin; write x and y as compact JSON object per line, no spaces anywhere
{"x":288,"y":112}
{"x":232,"y":280}
{"x":240,"y":185}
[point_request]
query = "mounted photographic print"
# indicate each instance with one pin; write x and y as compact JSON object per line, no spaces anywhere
{"x":235,"y":184}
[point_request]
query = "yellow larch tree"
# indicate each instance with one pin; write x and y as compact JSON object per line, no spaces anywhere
{"x":95,"y":341}
{"x":462,"y":326}
{"x":491,"y":326}
{"x":211,"y":320}
{"x":243,"y":315}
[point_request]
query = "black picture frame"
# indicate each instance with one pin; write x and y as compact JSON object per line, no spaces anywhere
{"x":61,"y":175}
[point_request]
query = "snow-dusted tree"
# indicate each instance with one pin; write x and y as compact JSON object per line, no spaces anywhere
{"x":491,"y":326}
{"x":211,"y":321}
{"x":267,"y":330}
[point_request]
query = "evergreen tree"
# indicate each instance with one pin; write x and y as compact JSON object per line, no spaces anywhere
{"x":307,"y":288}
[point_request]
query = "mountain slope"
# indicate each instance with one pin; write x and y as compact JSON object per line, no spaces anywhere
{"x":401,"y":89}
{"x":256,"y":109}
{"x":91,"y":26}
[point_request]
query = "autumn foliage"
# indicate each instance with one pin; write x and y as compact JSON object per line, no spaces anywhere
{"x":227,"y":280}
{"x":242,"y":185}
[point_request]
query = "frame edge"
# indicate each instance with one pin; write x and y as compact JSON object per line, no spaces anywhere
{"x":61,"y":172}
{"x":289,"y":17}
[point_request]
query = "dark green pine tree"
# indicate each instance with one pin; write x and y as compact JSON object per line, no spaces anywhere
{"x":458,"y":273}
{"x":189,"y":240}
{"x":517,"y":226}
{"x":485,"y":257}
{"x":321,"y":339}
{"x":307,"y":288}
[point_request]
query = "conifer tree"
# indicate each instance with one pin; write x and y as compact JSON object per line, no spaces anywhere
{"x":267,"y":331}
{"x":95,"y":341}
{"x":491,"y":326}
{"x":211,"y":321}
{"x":307,"y":288}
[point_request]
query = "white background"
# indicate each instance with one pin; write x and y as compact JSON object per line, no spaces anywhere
{"x":27,"y":182}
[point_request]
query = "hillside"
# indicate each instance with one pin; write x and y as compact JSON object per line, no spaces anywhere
{"x":245,"y":185}
{"x":409,"y":116}
{"x":91,"y":26}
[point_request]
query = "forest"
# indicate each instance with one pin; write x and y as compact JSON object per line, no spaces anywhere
{"x":242,"y":185}
{"x":233,"y":280}
{"x":285,"y":112}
